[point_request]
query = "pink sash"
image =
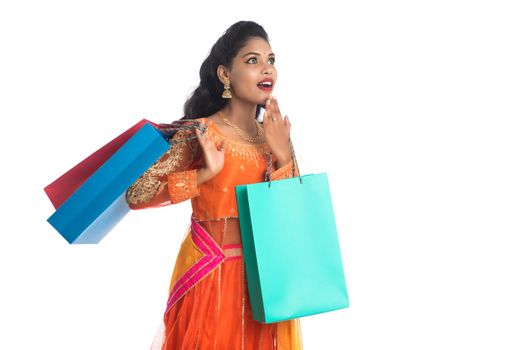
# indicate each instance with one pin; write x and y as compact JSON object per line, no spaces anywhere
{"x":213,"y":256}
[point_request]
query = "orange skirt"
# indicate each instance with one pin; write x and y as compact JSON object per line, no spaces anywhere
{"x":208,"y":305}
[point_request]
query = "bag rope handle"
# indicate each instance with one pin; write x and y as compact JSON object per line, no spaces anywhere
{"x":169,"y":130}
{"x":293,"y":159}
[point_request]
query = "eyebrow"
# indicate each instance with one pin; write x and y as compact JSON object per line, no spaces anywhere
{"x":256,"y":53}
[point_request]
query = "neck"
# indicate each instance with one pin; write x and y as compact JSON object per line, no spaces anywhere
{"x":241,"y":114}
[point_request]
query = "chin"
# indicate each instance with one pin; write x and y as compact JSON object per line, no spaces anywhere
{"x":262,"y":101}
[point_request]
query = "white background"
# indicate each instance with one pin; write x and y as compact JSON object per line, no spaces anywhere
{"x":413,"y":108}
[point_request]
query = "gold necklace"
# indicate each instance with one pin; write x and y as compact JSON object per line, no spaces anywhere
{"x":242,"y":133}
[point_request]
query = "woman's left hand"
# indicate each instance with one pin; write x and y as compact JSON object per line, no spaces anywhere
{"x":277,"y":131}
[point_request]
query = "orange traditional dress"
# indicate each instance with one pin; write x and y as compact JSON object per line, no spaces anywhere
{"x":208,"y":304}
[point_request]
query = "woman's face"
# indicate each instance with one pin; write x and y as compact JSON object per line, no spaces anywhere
{"x":254,"y":63}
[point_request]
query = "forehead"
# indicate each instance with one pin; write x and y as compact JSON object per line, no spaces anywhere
{"x":257,"y":45}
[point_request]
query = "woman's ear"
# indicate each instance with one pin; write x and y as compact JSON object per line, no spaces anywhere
{"x":222,"y":73}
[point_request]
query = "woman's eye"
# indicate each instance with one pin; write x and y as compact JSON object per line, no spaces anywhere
{"x":254,"y":58}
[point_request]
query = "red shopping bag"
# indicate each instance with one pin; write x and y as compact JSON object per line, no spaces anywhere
{"x":59,"y":190}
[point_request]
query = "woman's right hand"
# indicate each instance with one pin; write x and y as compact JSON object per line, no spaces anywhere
{"x":214,"y":157}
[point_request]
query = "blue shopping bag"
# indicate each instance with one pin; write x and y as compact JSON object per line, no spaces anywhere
{"x":291,"y":249}
{"x":88,"y":215}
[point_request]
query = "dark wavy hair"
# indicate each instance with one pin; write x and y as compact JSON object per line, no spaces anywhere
{"x":206,"y":98}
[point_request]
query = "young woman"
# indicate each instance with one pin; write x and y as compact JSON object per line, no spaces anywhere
{"x":208,"y":305}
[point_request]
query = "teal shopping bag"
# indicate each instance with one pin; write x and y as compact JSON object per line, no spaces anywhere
{"x":291,"y":249}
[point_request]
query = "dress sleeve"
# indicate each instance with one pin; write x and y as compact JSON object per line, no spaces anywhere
{"x":171,"y":179}
{"x":285,"y":171}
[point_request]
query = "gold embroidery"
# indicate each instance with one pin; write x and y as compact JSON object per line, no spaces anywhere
{"x":224,"y":233}
{"x":252,"y":153}
{"x":231,"y":252}
{"x":182,"y":185}
{"x":148,"y":184}
{"x":143,"y":190}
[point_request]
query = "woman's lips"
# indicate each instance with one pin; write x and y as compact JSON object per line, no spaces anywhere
{"x":265,"y":88}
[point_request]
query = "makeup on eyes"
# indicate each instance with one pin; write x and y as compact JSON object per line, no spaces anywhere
{"x":249,"y":59}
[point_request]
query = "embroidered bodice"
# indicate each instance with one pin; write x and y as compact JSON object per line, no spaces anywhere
{"x":173,"y":178}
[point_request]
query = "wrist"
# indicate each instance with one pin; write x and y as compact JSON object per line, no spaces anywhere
{"x":283,"y":160}
{"x":204,"y":175}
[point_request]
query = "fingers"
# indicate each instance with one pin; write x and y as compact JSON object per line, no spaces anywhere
{"x":206,"y":143}
{"x":200,"y":124}
{"x":267,"y":113}
{"x":287,"y":123}
{"x":202,"y":137}
{"x":221,"y":146}
{"x":272,"y":111}
{"x":198,"y":134}
{"x":275,"y":110}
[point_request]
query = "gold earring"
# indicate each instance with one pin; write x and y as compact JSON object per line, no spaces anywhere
{"x":226,"y":93}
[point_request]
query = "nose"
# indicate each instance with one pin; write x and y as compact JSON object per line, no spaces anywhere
{"x":269,"y":69}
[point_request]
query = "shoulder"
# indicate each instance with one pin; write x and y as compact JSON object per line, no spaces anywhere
{"x":213,"y":119}
{"x":186,"y":128}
